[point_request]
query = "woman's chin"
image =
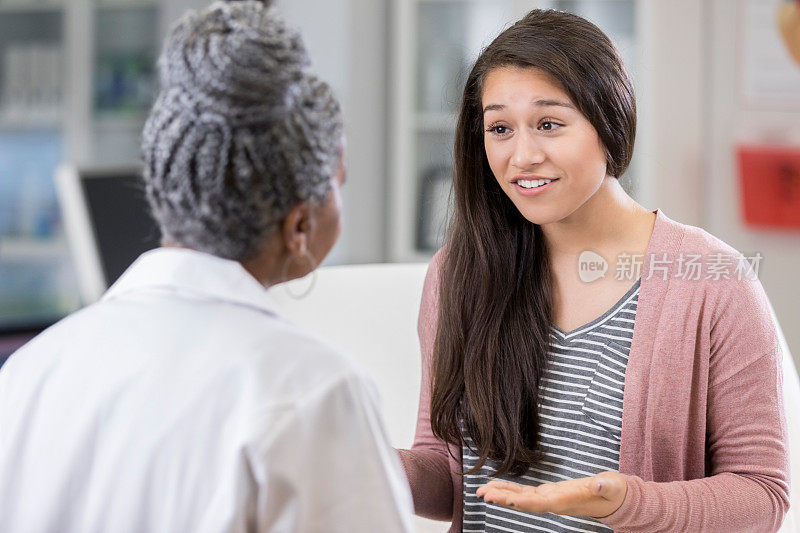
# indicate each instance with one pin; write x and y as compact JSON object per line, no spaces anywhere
{"x":541,"y":216}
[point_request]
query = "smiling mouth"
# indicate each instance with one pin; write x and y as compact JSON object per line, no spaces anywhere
{"x":533,"y":184}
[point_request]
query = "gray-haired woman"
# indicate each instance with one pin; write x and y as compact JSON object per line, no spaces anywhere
{"x":182,"y":401}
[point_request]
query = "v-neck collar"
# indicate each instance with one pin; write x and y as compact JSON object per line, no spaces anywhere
{"x":566,"y":336}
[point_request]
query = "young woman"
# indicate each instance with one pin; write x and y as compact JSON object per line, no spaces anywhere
{"x":565,"y":389}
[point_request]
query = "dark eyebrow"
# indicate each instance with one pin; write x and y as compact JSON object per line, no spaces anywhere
{"x":536,"y":103}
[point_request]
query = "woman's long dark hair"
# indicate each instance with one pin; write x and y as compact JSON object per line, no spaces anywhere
{"x":495,"y":299}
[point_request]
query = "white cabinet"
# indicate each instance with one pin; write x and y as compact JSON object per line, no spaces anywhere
{"x":77,"y":78}
{"x":434,"y":45}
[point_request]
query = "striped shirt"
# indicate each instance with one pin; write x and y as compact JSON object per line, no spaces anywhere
{"x":580,"y":394}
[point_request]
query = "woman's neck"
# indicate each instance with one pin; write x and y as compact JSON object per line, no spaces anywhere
{"x":610,"y":221}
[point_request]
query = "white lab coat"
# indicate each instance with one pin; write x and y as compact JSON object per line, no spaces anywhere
{"x":182,"y":402}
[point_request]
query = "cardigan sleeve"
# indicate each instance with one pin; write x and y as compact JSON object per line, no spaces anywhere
{"x":747,"y":488}
{"x":427,"y":463}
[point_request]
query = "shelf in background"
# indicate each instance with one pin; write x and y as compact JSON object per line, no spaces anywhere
{"x":26,"y":248}
{"x":17,"y":6}
{"x":110,"y":45}
{"x":109,"y":120}
{"x":31,"y":120}
{"x":125,"y":4}
{"x":12,"y":125}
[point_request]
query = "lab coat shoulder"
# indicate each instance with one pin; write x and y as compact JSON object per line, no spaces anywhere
{"x":330,"y":432}
{"x":324,"y":424}
{"x":292,"y":359}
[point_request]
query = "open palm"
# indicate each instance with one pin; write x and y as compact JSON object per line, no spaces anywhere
{"x":595,"y":496}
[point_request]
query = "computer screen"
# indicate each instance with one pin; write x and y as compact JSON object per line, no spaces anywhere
{"x":108,"y":223}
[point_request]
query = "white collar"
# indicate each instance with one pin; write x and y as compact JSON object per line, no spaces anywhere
{"x":198,"y":272}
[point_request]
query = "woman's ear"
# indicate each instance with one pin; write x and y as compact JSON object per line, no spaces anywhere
{"x":296,"y":229}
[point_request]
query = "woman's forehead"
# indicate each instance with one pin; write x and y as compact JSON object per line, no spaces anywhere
{"x":511,"y":83}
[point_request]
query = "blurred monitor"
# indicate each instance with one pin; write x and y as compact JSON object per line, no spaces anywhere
{"x":108,"y":223}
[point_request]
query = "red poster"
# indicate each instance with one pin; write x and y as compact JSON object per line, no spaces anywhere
{"x":770,"y":185}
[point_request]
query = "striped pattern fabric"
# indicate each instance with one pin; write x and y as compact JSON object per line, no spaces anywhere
{"x":580,"y":421}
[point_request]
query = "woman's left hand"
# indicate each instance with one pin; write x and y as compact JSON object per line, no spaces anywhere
{"x":595,"y":496}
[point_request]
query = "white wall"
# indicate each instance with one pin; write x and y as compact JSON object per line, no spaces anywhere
{"x":669,"y":91}
{"x":347,"y":42}
{"x":728,"y":121}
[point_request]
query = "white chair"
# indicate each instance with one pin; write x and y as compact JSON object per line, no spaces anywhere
{"x":791,"y":400}
{"x":370,"y":311}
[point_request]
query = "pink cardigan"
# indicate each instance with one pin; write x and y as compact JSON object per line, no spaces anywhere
{"x":704,"y":439}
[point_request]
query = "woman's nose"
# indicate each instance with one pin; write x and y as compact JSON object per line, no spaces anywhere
{"x":527,"y":152}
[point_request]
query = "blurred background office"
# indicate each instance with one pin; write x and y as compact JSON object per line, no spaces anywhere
{"x":718,"y":145}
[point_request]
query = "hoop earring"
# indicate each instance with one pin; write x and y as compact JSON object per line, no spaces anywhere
{"x":284,"y":275}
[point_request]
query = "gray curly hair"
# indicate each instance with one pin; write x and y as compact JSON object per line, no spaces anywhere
{"x":240,"y":132}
